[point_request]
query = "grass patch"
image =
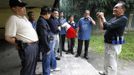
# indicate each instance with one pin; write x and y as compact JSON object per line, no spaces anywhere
{"x":97,"y":44}
{"x":128,"y":48}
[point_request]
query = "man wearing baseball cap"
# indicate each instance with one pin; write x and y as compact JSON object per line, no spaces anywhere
{"x":19,"y":32}
{"x":13,"y":3}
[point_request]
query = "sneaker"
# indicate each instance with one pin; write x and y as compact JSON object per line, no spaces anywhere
{"x":51,"y":70}
{"x":51,"y":74}
{"x":56,"y":69}
{"x":102,"y":73}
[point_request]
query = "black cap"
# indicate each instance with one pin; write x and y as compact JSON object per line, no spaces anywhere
{"x":45,"y":10}
{"x":13,"y":3}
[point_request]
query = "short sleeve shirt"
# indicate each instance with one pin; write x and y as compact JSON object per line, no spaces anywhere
{"x":85,"y":27}
{"x":63,"y":30}
{"x":21,"y":28}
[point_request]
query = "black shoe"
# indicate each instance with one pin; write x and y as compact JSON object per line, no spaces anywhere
{"x":64,"y":50}
{"x":86,"y":57}
{"x":77,"y":55}
{"x":39,"y":60}
{"x":38,"y":74}
{"x":58,"y":50}
{"x":72,"y":53}
{"x":57,"y":58}
{"x":67,"y":52}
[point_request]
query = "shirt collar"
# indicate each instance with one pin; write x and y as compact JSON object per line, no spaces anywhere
{"x":71,"y":22}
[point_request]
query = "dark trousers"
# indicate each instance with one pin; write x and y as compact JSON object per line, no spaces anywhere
{"x":71,"y":43}
{"x":39,"y":51}
{"x":28,"y":56}
{"x":80,"y":44}
{"x":62,"y":42}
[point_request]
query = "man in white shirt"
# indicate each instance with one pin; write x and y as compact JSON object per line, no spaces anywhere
{"x":19,"y":32}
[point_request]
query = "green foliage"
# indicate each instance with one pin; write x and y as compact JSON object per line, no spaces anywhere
{"x":76,"y":7}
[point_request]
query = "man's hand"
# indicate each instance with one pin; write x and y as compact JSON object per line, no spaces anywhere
{"x":10,"y":39}
{"x":100,"y":15}
{"x":101,"y":19}
{"x":93,"y":22}
{"x":59,"y":28}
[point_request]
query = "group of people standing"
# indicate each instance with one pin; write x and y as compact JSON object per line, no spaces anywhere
{"x":52,"y":36}
{"x":48,"y":35}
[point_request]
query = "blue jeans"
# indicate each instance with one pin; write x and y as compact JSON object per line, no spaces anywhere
{"x":53,"y":62}
{"x":55,"y":45}
{"x":46,"y":60}
{"x":46,"y":63}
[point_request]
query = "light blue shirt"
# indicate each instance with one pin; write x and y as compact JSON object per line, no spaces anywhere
{"x":34,"y":24}
{"x":63,"y":30}
{"x":85,"y":26}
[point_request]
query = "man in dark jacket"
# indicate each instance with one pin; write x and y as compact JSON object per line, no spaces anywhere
{"x":45,"y":38}
{"x":113,"y":37}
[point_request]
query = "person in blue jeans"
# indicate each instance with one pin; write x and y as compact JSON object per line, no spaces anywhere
{"x":54,"y":26}
{"x":84,"y":33}
{"x":45,"y":38}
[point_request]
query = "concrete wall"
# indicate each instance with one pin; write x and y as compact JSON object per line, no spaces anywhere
{"x":5,"y":14}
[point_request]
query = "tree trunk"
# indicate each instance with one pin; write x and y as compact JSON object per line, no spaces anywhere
{"x":130,"y":21}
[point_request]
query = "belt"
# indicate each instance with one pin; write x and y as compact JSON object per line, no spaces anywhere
{"x":30,"y":43}
{"x":23,"y":45}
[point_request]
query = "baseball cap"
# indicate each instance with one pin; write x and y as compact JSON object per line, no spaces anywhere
{"x":13,"y":3}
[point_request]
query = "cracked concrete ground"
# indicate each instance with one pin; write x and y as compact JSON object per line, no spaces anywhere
{"x":69,"y":65}
{"x":11,"y":66}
